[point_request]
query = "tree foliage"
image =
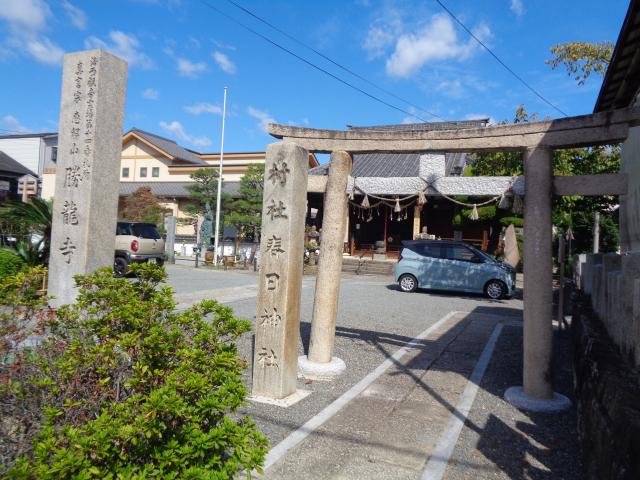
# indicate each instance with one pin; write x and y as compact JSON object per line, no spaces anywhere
{"x":568,"y":211}
{"x":205,"y":190}
{"x":143,"y":206}
{"x":122,"y":385}
{"x":245,"y":211}
{"x":32,"y":217}
{"x":581,"y":59}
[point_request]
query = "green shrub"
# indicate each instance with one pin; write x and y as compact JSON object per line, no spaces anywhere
{"x":486,"y":212}
{"x":10,"y":264}
{"x":135,"y":389}
{"x":517,"y":221}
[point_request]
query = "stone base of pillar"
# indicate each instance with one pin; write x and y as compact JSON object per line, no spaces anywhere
{"x":281,"y":402}
{"x":516,"y":397}
{"x":320,"y":371}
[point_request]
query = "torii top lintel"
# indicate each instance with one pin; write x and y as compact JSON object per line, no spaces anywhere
{"x":582,"y":131}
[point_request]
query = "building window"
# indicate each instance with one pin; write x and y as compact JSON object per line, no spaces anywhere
{"x":143,"y":172}
{"x":125,"y":172}
{"x":54,"y":154}
{"x":155,"y":172}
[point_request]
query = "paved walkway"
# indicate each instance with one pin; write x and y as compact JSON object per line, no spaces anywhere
{"x":434,"y":411}
{"x":406,"y":408}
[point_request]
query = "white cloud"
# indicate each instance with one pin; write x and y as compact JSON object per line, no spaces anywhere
{"x":150,"y":94}
{"x":223,"y":62}
{"x":177,"y":130}
{"x":438,"y":40}
{"x":224,"y":46}
{"x":26,"y":19}
{"x":187,"y":68}
{"x":25,"y":14}
{"x":451,"y":88}
{"x":12,"y":124}
{"x":377,"y":41}
{"x":204,"y":107}
{"x":77,"y":16}
{"x":44,"y":50}
{"x":264,"y":119}
{"x":124,"y":45}
{"x":383,"y":32}
{"x":517,"y":7}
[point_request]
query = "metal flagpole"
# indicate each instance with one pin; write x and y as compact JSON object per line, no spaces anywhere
{"x":215,"y":246}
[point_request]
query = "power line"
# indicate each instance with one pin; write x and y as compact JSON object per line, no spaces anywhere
{"x":539,"y":95}
{"x":346,"y":69}
{"x":311,"y":64}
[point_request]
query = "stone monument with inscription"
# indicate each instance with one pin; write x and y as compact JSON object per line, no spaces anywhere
{"x":275,"y":365}
{"x":85,"y":205}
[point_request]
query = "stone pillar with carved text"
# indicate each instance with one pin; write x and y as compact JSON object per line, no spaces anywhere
{"x":281,"y":254}
{"x":85,"y":204}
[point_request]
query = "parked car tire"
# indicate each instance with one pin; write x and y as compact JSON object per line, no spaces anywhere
{"x":495,"y":289}
{"x":160,"y":262}
{"x":120,"y":266}
{"x":408,"y":283}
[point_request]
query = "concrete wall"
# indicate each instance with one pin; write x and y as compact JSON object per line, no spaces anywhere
{"x":613,"y":283}
{"x":607,"y":394}
{"x":25,"y":151}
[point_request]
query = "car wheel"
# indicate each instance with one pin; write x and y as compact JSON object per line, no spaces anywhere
{"x":495,"y":289}
{"x":408,"y":283}
{"x":160,"y":262}
{"x":120,"y":266}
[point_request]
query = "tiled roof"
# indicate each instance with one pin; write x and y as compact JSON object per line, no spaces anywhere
{"x":11,"y":166}
{"x":621,"y":82}
{"x":387,"y":165}
{"x":170,"y":147}
{"x":171,"y":189}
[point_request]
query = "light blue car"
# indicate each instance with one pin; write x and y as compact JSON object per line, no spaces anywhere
{"x":447,"y":265}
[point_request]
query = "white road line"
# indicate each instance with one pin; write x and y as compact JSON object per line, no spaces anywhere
{"x":330,"y":410}
{"x":446,"y":444}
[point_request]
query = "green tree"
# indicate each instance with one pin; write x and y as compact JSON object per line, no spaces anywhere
{"x":581,"y":59}
{"x":576,"y":212}
{"x":203,"y":190}
{"x":32,"y":217}
{"x":245,"y":211}
{"x":143,"y":206}
{"x":502,"y":163}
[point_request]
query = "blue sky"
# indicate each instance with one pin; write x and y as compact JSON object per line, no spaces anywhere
{"x":181,"y":54}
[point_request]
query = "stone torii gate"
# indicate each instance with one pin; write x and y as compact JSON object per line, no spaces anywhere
{"x":277,"y":326}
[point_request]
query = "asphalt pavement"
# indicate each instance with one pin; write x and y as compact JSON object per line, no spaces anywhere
{"x":391,"y":426}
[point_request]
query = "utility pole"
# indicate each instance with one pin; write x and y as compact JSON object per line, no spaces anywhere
{"x":215,"y":247}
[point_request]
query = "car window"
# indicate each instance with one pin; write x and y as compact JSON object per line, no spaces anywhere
{"x":425,"y":250}
{"x":431,"y":250}
{"x":123,"y":229}
{"x":145,"y":231}
{"x":458,"y":252}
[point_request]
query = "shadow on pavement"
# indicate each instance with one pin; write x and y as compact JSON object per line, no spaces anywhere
{"x":517,"y":444}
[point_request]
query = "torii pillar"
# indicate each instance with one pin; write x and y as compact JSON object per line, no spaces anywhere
{"x":537,"y":393}
{"x":320,"y":364}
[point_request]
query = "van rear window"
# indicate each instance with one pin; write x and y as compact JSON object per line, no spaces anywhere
{"x":145,"y":231}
